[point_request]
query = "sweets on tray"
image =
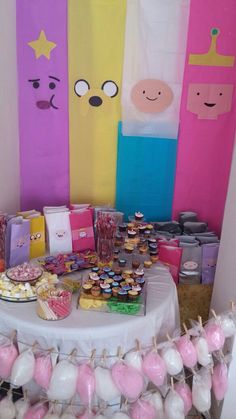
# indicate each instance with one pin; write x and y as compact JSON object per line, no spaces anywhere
{"x":22,"y":291}
{"x":66,"y":263}
{"x":54,"y":302}
{"x":26,"y":272}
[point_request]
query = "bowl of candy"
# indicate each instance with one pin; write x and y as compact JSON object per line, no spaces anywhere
{"x":26,"y":272}
{"x":54,"y":301}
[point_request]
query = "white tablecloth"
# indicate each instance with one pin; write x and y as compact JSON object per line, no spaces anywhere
{"x":87,"y":330}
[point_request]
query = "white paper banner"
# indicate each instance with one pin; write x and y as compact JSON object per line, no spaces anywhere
{"x":155,"y":45}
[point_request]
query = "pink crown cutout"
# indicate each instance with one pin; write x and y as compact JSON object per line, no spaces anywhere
{"x":212,"y":57}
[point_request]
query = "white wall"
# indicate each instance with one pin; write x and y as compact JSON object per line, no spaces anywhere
{"x":225,"y":283}
{"x":9,"y":154}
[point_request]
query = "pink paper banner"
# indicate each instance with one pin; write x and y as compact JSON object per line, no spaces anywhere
{"x":43,"y":102}
{"x":207,"y":126}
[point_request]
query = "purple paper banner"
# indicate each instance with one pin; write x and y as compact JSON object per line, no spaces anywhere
{"x":43,"y":102}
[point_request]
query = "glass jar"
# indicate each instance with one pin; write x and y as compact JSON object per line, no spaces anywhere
{"x":54,"y":301}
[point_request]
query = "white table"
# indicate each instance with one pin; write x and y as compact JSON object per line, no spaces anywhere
{"x":87,"y":330}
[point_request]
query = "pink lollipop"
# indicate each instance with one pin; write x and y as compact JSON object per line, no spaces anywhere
{"x":220,"y":380}
{"x":187,"y":351}
{"x":154,"y":368}
{"x":185,"y":393}
{"x":215,"y":336}
{"x":43,"y":371}
{"x":127,"y":379}
{"x":142,"y":410}
{"x":8,"y":354}
{"x":85,"y":383}
{"x":37,"y":411}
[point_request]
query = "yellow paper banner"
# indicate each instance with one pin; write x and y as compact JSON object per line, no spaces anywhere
{"x":95,"y":41}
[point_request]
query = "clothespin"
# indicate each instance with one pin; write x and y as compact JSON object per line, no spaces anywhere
{"x":185,"y":329}
{"x":138,"y":345}
{"x":119,"y":353}
{"x":172,"y":383}
{"x":154,"y":341}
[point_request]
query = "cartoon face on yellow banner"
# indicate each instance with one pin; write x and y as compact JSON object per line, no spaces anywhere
{"x":90,"y":96}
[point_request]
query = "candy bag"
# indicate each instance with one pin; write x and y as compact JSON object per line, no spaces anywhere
{"x":63,"y":381}
{"x":214,"y":335}
{"x":7,"y":407}
{"x":156,"y":401}
{"x":43,"y":370}
{"x":127,"y":379}
{"x":172,"y":359}
{"x":21,"y":405}
{"x":142,"y":409}
{"x":220,"y":380}
{"x":185,"y":393}
{"x":134,"y":359}
{"x":8,"y":355}
{"x":105,"y":386}
{"x":154,"y":368}
{"x":85,"y":383}
{"x":23,"y":368}
{"x":174,"y":406}
{"x":37,"y":411}
{"x":187,"y":351}
{"x":201,"y":394}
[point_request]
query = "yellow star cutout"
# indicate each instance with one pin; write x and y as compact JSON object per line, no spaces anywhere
{"x":42,"y":46}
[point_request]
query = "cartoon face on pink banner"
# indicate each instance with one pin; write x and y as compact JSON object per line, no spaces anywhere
{"x":151,"y":96}
{"x":208,"y":101}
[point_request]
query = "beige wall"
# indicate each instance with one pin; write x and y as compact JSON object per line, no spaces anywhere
{"x":9,"y":154}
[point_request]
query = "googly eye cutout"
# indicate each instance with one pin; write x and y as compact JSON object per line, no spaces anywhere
{"x":38,"y":235}
{"x":81,"y":87}
{"x":110,"y":88}
{"x":32,"y":237}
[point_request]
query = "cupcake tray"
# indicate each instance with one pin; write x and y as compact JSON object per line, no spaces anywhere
{"x":135,"y":307}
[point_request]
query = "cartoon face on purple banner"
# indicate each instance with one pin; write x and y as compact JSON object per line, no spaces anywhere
{"x":208,"y":101}
{"x":45,"y":92}
{"x":151,"y":96}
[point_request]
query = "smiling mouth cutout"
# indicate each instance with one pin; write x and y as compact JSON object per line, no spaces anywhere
{"x":210,"y":105}
{"x":149,"y":98}
{"x":45,"y":104}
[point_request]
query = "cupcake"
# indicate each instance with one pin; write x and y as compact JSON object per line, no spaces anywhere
{"x":129,"y":281}
{"x":118,"y":271}
{"x":115,"y":284}
{"x":127,"y":288}
{"x":140,"y":281}
{"x":105,"y":286}
{"x":130,"y":226}
{"x":122,"y":227}
{"x":138,"y":216}
{"x":149,"y":227}
{"x":154,"y":257}
{"x":117,"y":278}
{"x":141,"y":229}
{"x":152,"y":241}
{"x":95,"y":269}
{"x":135,"y":264}
{"x":132,"y":295}
{"x":94,"y":276}
{"x":107,"y":293}
{"x":103,"y":277}
{"x":108,"y":281}
{"x":147,"y":263}
{"x":122,"y":283}
{"x":139,"y":272}
{"x":106,"y":269}
{"x":129,"y":248}
{"x":152,"y":246}
{"x":87,"y":288}
{"x":128,"y":272}
{"x":143,"y":250}
{"x":122,"y":295}
{"x":96,"y":291}
{"x":115,"y":291}
{"x":111,"y":274}
{"x":137,"y":288}
{"x":122,"y":262}
{"x":132,"y":234}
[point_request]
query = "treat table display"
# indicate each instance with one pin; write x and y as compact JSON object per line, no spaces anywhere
{"x":86,"y":330}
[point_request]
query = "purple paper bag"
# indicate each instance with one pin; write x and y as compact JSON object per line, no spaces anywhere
{"x":19,"y":241}
{"x":209,"y":260}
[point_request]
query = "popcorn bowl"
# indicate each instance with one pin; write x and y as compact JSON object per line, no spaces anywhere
{"x":54,"y":301}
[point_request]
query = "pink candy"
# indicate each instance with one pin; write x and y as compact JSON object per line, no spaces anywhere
{"x":85,"y":383}
{"x":154,"y":368}
{"x":43,"y":371}
{"x":185,"y":393}
{"x":8,"y":355}
{"x":220,"y":381}
{"x":142,"y":410}
{"x":38,"y":411}
{"x":128,"y":380}
{"x":187,"y":351}
{"x":25,"y":272}
{"x":215,"y":336}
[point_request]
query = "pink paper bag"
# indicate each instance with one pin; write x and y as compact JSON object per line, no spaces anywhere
{"x":172,"y":257}
{"x":82,"y":230}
